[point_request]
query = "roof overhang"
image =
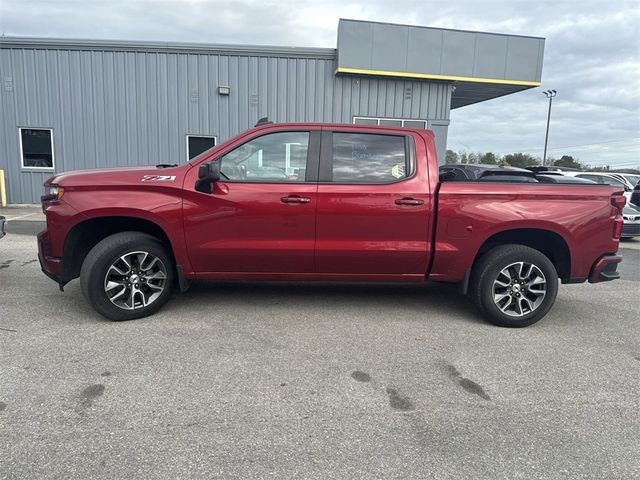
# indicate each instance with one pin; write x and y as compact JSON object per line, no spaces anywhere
{"x":481,"y":65}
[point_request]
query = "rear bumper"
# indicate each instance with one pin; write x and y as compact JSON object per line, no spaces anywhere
{"x":605,"y":269}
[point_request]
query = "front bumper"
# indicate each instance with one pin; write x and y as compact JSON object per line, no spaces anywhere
{"x":605,"y":269}
{"x":51,"y":266}
{"x":630,"y":229}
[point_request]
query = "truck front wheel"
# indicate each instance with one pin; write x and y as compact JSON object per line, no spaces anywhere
{"x":127,"y":275}
{"x":514,"y":285}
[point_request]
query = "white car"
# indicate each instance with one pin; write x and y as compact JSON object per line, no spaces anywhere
{"x":631,"y":178}
{"x":631,"y":218}
{"x":604,"y":178}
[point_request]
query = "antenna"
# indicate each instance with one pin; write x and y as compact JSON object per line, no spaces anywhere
{"x":263,"y":121}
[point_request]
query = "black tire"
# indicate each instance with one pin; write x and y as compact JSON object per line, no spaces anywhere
{"x":487,"y":271}
{"x":101,"y":257}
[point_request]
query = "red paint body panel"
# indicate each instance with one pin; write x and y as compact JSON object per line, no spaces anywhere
{"x":119,"y":193}
{"x":61,"y":217}
{"x":161,"y":206}
{"x":343,"y":232}
{"x":244,"y":227}
{"x":469,"y":213}
{"x":361,"y":230}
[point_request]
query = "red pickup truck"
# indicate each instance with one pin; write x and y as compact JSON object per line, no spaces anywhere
{"x":324,"y":202}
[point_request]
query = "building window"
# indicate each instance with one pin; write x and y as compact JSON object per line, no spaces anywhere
{"x":369,"y":158}
{"x":390,"y":122}
{"x":365,"y":121}
{"x":36,"y":148}
{"x":197,"y":144}
{"x":414,"y":124}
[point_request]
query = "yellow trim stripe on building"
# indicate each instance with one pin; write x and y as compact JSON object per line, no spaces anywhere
{"x":386,"y":73}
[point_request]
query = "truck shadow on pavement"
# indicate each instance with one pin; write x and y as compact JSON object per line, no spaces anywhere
{"x":393,"y":301}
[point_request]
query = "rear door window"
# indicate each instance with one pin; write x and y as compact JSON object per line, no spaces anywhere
{"x":370,"y":158}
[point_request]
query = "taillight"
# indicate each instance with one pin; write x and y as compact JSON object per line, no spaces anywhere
{"x":617,"y":227}
{"x":618,"y":201}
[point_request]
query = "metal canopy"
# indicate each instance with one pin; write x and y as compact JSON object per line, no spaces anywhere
{"x":481,"y":65}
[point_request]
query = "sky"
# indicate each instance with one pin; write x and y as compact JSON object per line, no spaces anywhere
{"x":592,"y":56}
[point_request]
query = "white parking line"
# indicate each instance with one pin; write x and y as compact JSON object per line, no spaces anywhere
{"x":10,"y":219}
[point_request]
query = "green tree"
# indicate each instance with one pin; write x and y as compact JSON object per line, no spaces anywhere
{"x":568,"y":161}
{"x":451,"y":157}
{"x":521,"y":160}
{"x":489,"y":158}
{"x":463,"y":156}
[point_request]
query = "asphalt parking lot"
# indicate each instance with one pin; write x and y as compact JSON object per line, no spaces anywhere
{"x":241,"y":380}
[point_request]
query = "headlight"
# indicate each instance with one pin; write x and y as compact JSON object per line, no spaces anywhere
{"x":52,"y":192}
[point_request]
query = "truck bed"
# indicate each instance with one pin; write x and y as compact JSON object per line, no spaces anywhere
{"x":470,"y":213}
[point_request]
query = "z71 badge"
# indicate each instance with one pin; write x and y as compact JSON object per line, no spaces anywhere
{"x":158,"y":178}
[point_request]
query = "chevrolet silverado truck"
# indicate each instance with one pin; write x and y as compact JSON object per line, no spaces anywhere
{"x":329,"y":202}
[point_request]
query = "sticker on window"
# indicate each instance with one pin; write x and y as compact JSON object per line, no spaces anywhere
{"x":397,"y":171}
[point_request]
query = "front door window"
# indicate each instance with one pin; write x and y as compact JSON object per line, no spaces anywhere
{"x":275,"y":158}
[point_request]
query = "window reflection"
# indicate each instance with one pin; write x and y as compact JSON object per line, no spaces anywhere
{"x":276,"y":157}
{"x":368,"y":158}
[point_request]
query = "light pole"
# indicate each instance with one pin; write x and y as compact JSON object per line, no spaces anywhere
{"x":549,"y":94}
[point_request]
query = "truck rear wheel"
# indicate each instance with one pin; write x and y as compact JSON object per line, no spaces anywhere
{"x":127,"y":275}
{"x":514,"y":285}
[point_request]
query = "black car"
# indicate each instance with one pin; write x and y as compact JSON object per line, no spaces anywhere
{"x":546,"y":178}
{"x":492,"y":177}
{"x":476,"y":171}
{"x":545,"y":170}
{"x":635,"y":196}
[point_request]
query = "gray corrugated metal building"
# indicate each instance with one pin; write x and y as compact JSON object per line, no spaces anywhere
{"x":74,"y":104}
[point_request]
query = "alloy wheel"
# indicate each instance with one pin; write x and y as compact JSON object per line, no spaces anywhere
{"x":135,"y":280}
{"x":519,"y":289}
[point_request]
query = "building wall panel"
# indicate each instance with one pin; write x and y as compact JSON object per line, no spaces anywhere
{"x":125,"y":107}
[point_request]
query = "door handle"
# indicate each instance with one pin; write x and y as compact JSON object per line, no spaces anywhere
{"x":295,"y":199}
{"x":409,"y":201}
